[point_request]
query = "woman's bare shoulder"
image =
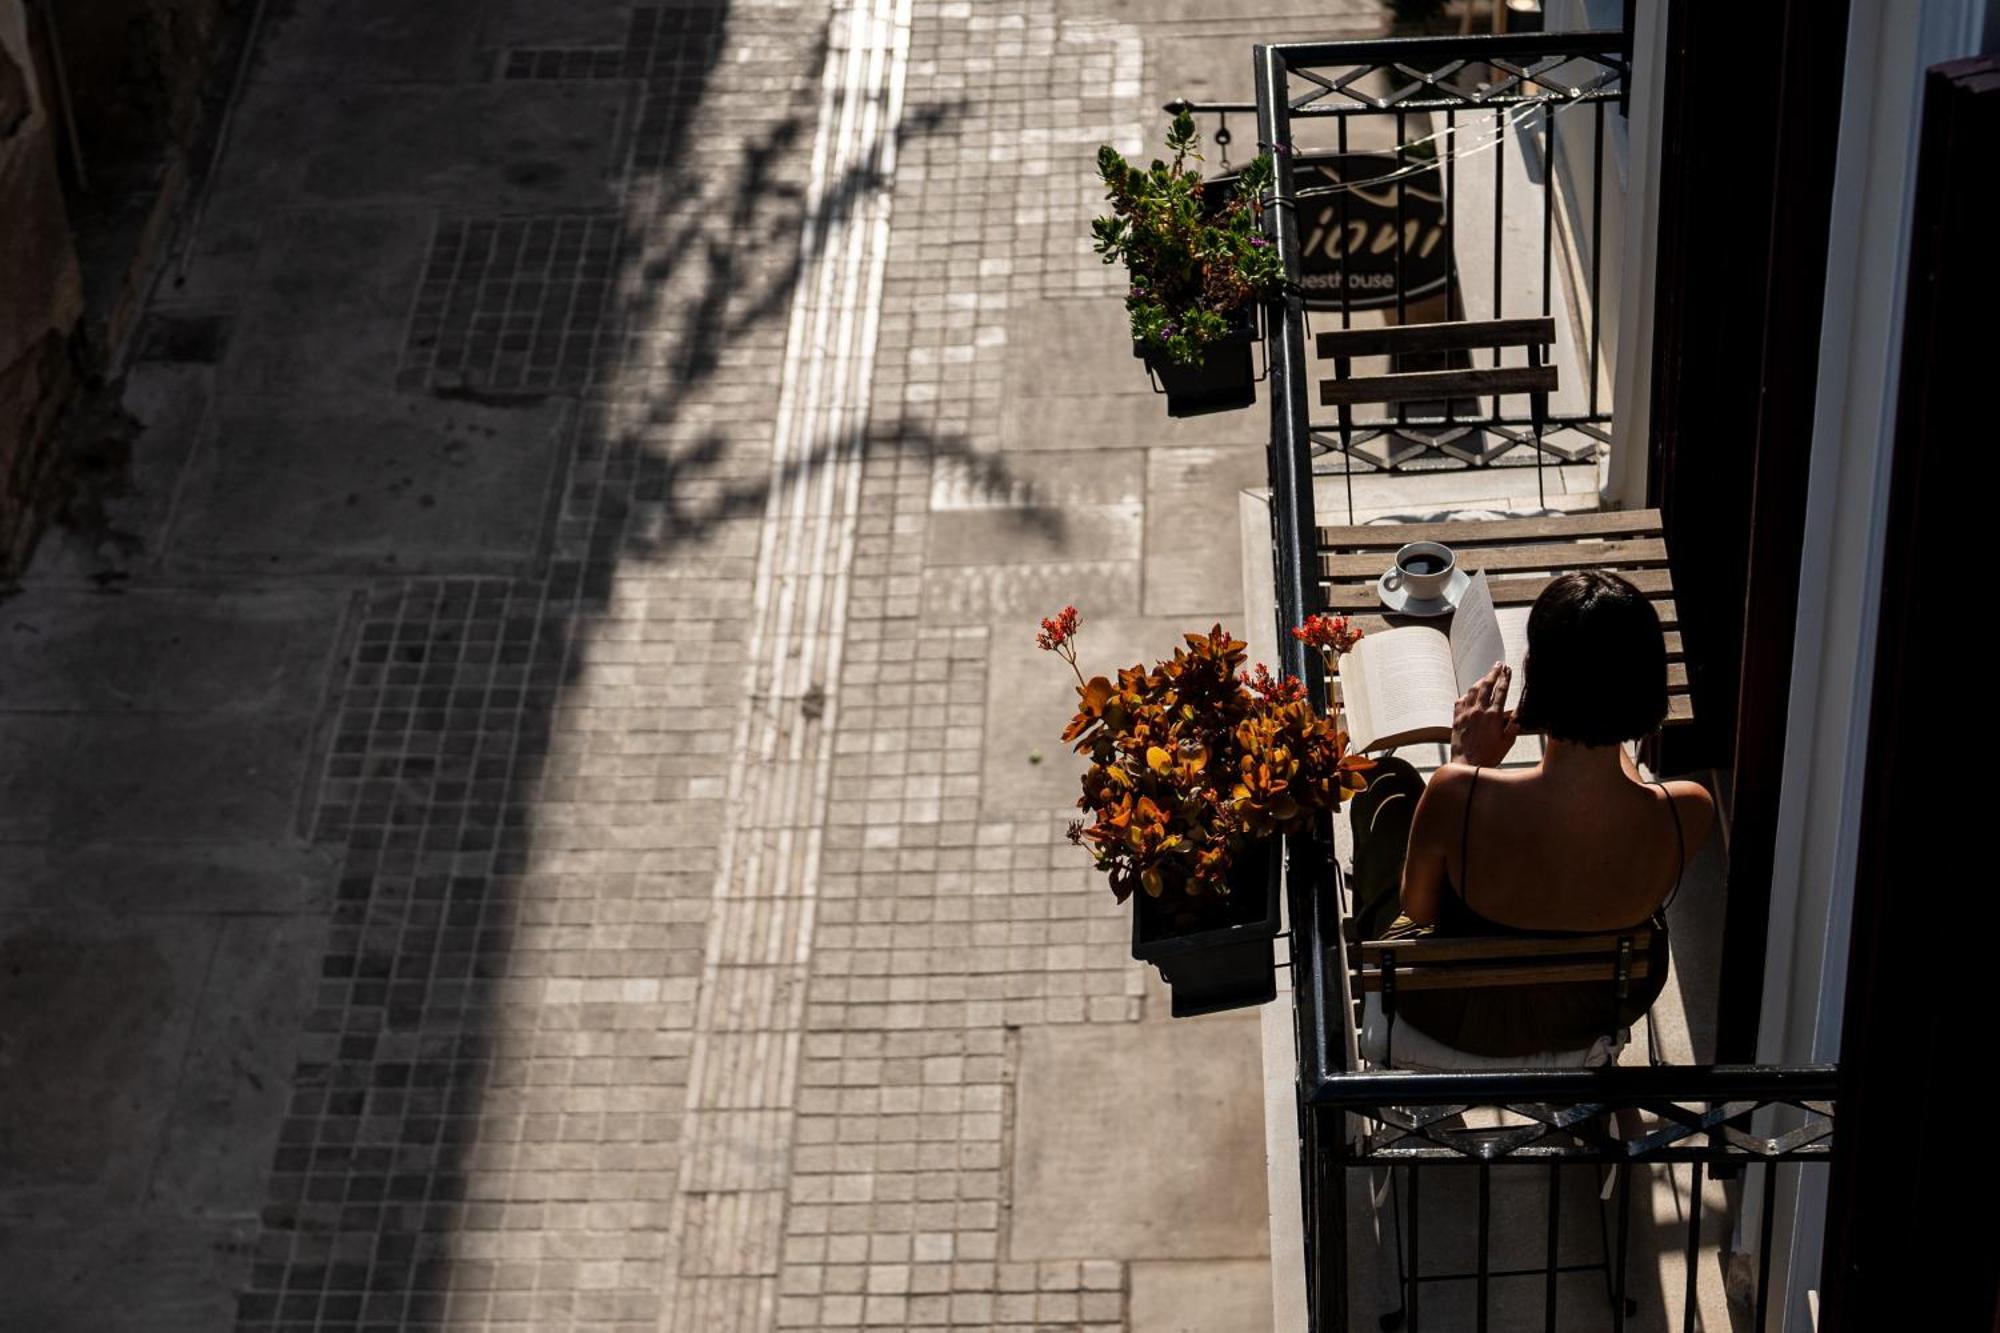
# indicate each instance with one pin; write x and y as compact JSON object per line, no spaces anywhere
{"x":1443,"y":802}
{"x":1695,"y":807}
{"x":1452,"y":776}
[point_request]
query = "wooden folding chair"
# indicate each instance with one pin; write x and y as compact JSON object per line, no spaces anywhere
{"x":1537,"y":379}
{"x":1615,"y":959}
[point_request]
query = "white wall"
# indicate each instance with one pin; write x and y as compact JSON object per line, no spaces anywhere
{"x":1629,"y":228}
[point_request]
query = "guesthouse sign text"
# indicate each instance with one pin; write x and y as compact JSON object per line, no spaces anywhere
{"x":1350,"y":236}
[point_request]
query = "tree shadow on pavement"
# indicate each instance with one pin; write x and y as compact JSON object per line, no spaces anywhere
{"x":428,"y":1066}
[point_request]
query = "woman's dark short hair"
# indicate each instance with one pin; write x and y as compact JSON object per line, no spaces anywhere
{"x":1596,"y":672}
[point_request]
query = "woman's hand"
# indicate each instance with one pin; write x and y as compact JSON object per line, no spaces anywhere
{"x":1482,"y":728}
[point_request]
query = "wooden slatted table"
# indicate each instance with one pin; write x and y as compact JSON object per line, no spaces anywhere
{"x":1520,"y":557}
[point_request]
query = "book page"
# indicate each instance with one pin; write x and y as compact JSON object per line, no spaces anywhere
{"x":1481,"y":636}
{"x":1398,"y":686}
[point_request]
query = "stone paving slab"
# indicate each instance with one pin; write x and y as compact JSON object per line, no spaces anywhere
{"x":1196,"y":489}
{"x":1207,"y":1296}
{"x":1041,"y":487}
{"x":207,"y":777}
{"x":329,"y":44}
{"x":70,"y":651}
{"x":30,"y":748}
{"x":1071,"y":348}
{"x":1094,"y":534}
{"x":115,"y":1007}
{"x":1126,"y":410}
{"x":235,"y":1076}
{"x":124,"y":880}
{"x":577,"y":24}
{"x":314,"y":323}
{"x":426,"y":484}
{"x":484,"y":146}
{"x":125,"y":1270}
{"x":1139,"y":1143}
{"x":468,"y":143}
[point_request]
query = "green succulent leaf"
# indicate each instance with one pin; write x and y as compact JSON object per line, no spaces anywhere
{"x":1194,"y":254}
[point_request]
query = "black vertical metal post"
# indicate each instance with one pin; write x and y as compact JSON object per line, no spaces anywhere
{"x":1770,"y":1212}
{"x":1554,"y":1249}
{"x":1410,"y":1302}
{"x":1402,"y":302}
{"x":1625,"y":1172}
{"x":1347,"y":246}
{"x":1548,"y":205}
{"x":1627,"y":24}
{"x":1485,"y":1239}
{"x":1499,"y":215}
{"x":1694,"y":1247}
{"x":1499,"y":231}
{"x":1326,"y":1209}
{"x":1402,"y":238}
{"x":1295,"y":537}
{"x":1548,"y":283}
{"x":1290,"y":458}
{"x":1455,"y":302}
{"x":1596,"y":246}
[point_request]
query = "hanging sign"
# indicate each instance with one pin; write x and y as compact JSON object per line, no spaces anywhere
{"x":1350,"y":236}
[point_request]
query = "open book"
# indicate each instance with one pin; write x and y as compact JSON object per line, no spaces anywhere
{"x":1398,"y":686}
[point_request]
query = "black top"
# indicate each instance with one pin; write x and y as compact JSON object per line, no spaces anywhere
{"x":1551,"y":1016}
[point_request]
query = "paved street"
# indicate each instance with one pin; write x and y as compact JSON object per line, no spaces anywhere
{"x":527,"y":795}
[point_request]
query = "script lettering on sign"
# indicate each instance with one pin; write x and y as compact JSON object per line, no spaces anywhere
{"x":1352,"y":237}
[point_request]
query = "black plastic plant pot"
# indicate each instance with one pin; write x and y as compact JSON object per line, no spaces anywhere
{"x":1225,"y":381}
{"x":1226,"y":964}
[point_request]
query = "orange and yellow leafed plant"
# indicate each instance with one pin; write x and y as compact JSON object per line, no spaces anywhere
{"x":1194,"y":760}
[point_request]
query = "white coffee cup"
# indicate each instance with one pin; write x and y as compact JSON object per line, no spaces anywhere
{"x":1424,"y":568}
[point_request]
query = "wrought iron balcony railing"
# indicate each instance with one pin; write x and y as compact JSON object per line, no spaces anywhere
{"x":1427,"y":192}
{"x":1352,"y":1121}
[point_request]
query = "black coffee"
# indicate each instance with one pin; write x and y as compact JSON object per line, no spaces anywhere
{"x":1423,"y":564}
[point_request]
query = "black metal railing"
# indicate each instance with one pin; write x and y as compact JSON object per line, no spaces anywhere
{"x":1402,"y":205}
{"x":1352,"y":1121}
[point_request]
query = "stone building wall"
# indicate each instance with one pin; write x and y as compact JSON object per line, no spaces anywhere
{"x":137,"y":70}
{"x":41,"y":292}
{"x":74,"y":264}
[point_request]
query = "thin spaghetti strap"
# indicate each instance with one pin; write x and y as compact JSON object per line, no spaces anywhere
{"x":1680,"y":846}
{"x":1465,"y":843}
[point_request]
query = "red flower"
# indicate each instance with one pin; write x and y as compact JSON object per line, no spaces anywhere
{"x":1058,"y":630}
{"x":1059,"y":637}
{"x":1276,"y":689}
{"x":1328,"y":632}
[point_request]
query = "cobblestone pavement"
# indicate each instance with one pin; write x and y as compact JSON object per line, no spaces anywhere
{"x":530,"y":800}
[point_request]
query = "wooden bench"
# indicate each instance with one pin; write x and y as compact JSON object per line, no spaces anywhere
{"x":1537,"y":379}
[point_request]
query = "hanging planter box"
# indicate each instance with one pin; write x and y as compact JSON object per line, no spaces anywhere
{"x":1226,"y":965}
{"x":1225,"y":381}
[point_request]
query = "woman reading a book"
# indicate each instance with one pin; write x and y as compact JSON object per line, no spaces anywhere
{"x":1578,"y":843}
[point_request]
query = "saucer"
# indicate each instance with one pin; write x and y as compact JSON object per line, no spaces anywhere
{"x":1398,"y":602}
